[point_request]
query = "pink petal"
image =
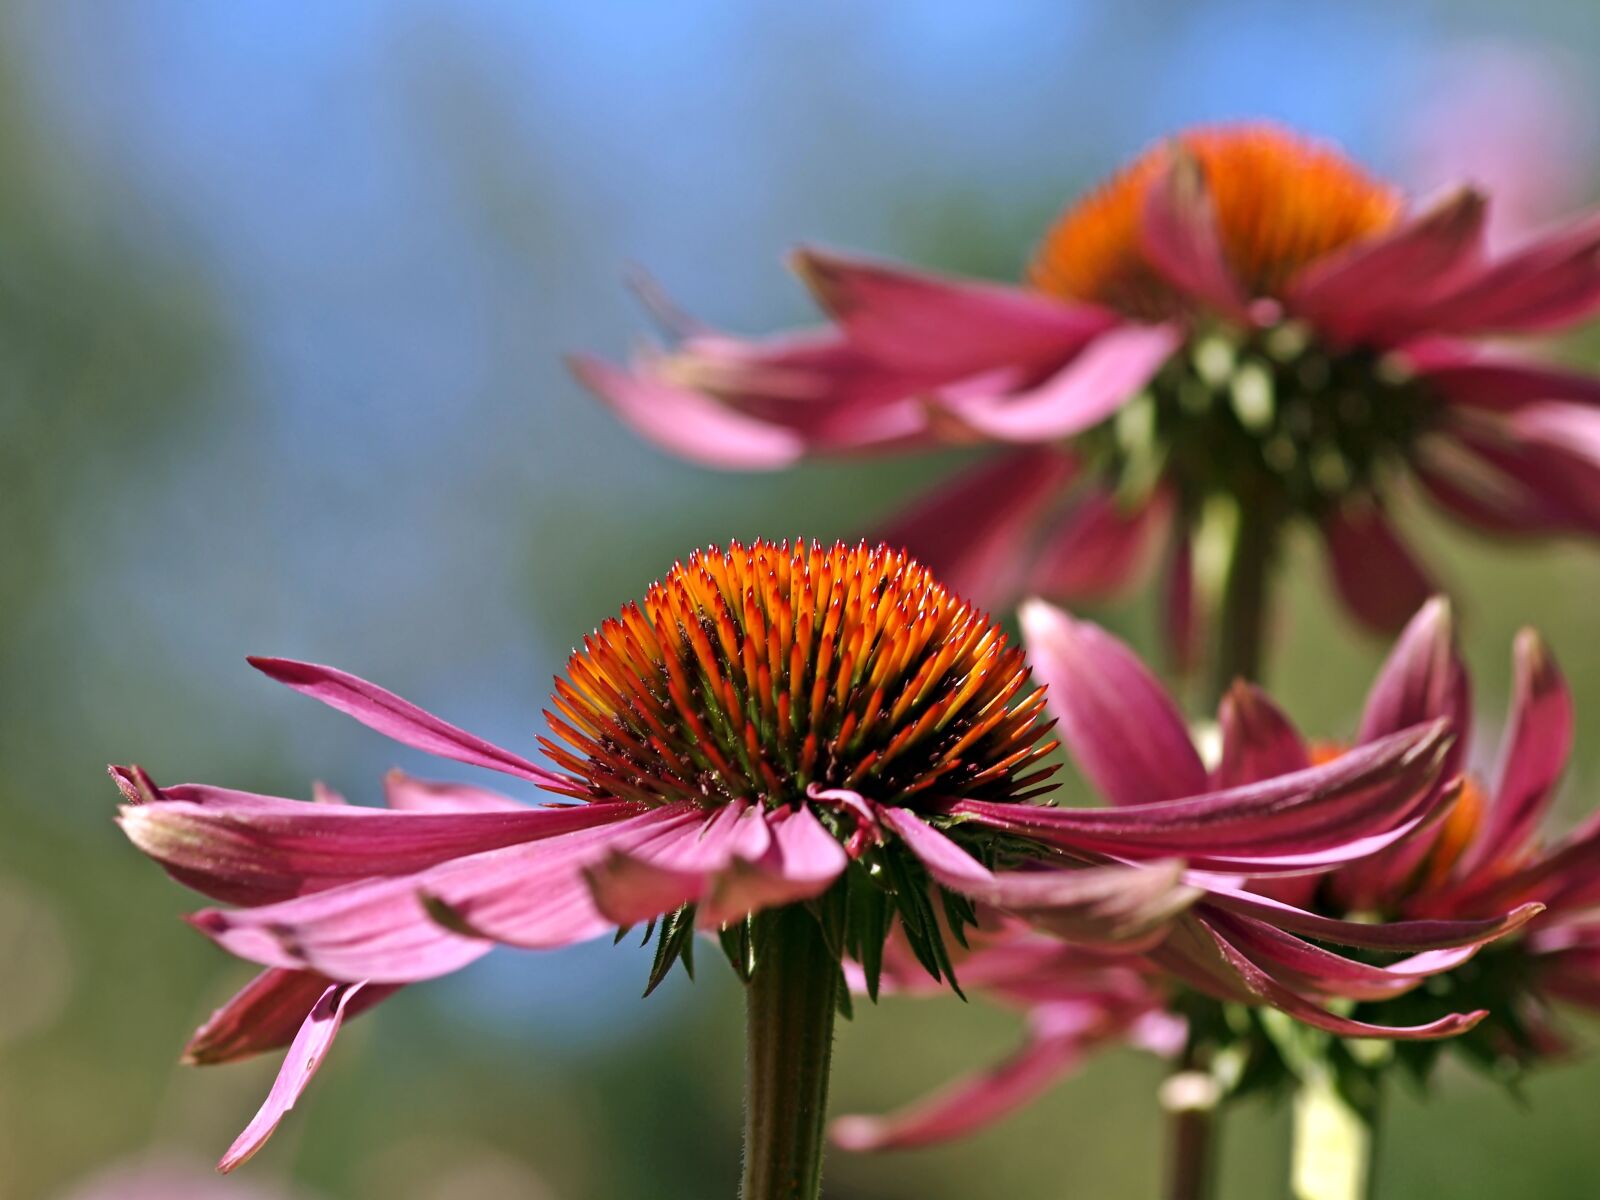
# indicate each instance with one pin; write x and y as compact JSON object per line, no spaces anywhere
{"x":1536,"y":753}
{"x":267,"y":1013}
{"x":1407,"y":936}
{"x":949,"y":327}
{"x":1178,"y":233}
{"x":803,"y":862}
{"x":1336,"y":812}
{"x":1099,"y":548}
{"x":1499,"y":483}
{"x":689,"y":424}
{"x":407,"y":793}
{"x":1377,"y":576}
{"x":402,"y":720}
{"x":968,"y":1105}
{"x":1566,"y":440}
{"x":1349,"y":296}
{"x":1423,"y":679}
{"x":1118,"y":722}
{"x":306,"y":1053}
{"x":1258,"y":739}
{"x":1090,"y":388}
{"x":975,"y":532}
{"x":1504,"y":384}
{"x":253,"y":855}
{"x":1547,"y":285}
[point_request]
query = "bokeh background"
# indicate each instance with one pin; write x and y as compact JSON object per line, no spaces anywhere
{"x":283,"y":293}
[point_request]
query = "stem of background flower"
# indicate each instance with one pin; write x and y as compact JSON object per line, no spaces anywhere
{"x":789,"y":1007}
{"x":1189,"y":1097}
{"x":1333,"y":1143}
{"x":1242,"y":602}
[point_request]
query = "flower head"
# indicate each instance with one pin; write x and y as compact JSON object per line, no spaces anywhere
{"x":1241,"y":318}
{"x":777,"y":725}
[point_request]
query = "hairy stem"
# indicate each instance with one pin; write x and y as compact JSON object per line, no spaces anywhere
{"x":1189,"y":1098}
{"x":1244,"y":601}
{"x":789,"y":1007}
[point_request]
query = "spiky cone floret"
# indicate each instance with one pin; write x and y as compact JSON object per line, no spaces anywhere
{"x":1241,"y":319}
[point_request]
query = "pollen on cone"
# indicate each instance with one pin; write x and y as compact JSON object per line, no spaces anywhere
{"x":755,"y":672}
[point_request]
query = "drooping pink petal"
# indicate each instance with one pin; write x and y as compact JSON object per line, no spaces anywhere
{"x":689,"y":424}
{"x":1351,"y":807}
{"x":1536,"y":752}
{"x":1377,"y":576}
{"x":407,"y":793}
{"x":1258,"y":739}
{"x":1099,"y":547}
{"x":1125,"y":906}
{"x":1422,"y":679}
{"x":975,"y":532}
{"x":400,"y":719}
{"x":267,"y":1013}
{"x":306,"y":1052}
{"x":967,"y":1105}
{"x":253,"y":855}
{"x":1564,"y":440}
{"x":1498,"y":482}
{"x":1088,"y":389}
{"x":1502,"y":384}
{"x":802,"y":862}
{"x":1548,"y":284}
{"x":949,"y":327}
{"x":1401,"y":936}
{"x":1178,"y":234}
{"x":1116,"y":719}
{"x":1350,"y":295}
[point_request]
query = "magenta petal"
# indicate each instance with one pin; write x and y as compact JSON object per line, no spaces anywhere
{"x":1536,"y":753}
{"x":1377,"y":576}
{"x":689,"y":424}
{"x":1423,"y":679}
{"x":1178,"y":233}
{"x":1099,"y":547}
{"x":267,"y":1013}
{"x":1503,"y":384}
{"x":407,"y":793}
{"x":948,"y":864}
{"x":1258,"y":739}
{"x":803,"y":860}
{"x":1091,"y":387}
{"x":1351,"y":807}
{"x":1402,"y":936}
{"x":975,"y":532}
{"x":254,"y":855}
{"x":968,"y":1105}
{"x":305,"y":1055}
{"x":948,"y":327}
{"x":1118,"y":722}
{"x":1349,"y":295}
{"x":400,"y":719}
{"x":1266,"y":986}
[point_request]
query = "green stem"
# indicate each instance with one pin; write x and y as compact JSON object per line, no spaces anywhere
{"x":1243,"y":603}
{"x":1334,"y":1140}
{"x":1189,"y":1097}
{"x":789,"y":1007}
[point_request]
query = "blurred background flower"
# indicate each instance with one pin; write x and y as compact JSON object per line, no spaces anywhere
{"x":283,"y":290}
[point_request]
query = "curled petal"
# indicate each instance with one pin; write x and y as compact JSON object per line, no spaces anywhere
{"x":1346,"y":809}
{"x":1423,"y":679}
{"x":401,"y":720}
{"x":407,"y":793}
{"x":1084,"y":392}
{"x":267,"y":1013}
{"x":1121,"y":727}
{"x":1502,"y":384}
{"x":1402,"y":936}
{"x":306,"y":1052}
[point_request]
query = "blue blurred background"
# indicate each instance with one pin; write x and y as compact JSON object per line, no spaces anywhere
{"x":283,"y":294}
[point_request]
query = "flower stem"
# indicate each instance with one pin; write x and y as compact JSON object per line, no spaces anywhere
{"x":1189,"y":1098}
{"x":789,"y":1007}
{"x":1334,"y":1138}
{"x":1243,"y":602}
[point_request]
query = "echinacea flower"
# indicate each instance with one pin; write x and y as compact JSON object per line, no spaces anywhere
{"x":1255,"y":936}
{"x":826,"y":734}
{"x":1242,"y":326}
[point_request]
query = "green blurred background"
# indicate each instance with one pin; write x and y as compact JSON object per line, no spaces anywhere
{"x":283,"y":290}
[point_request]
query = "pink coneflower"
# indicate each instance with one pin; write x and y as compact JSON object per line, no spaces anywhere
{"x":1240,"y":331}
{"x":797,"y":748}
{"x":1482,"y":859}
